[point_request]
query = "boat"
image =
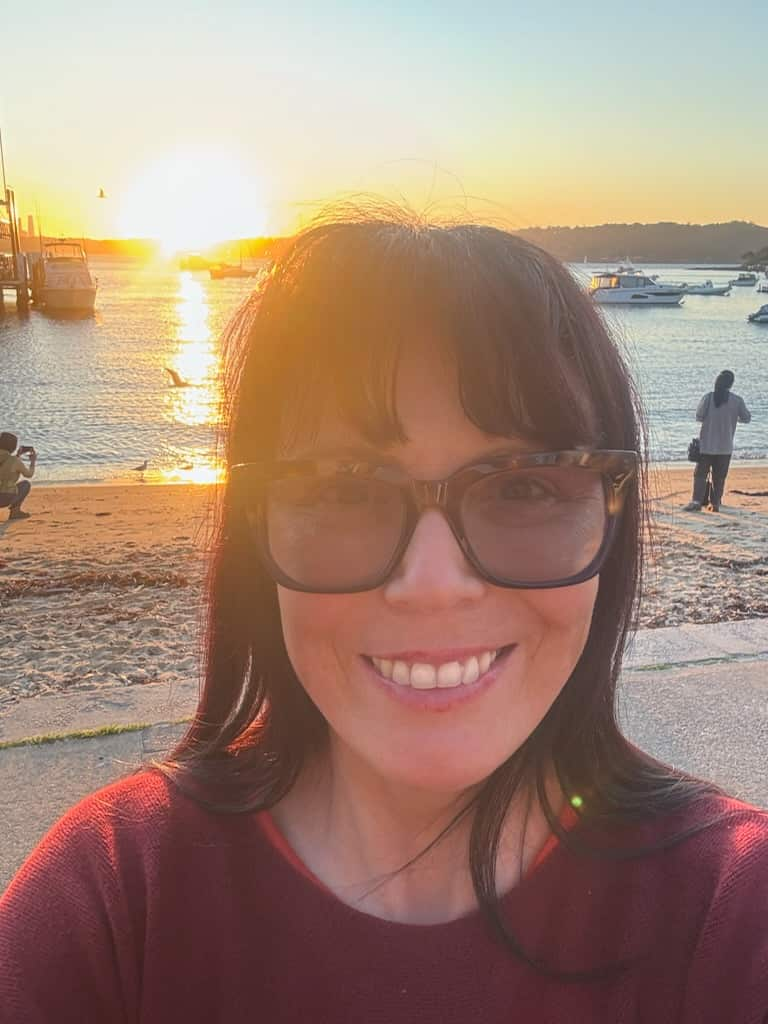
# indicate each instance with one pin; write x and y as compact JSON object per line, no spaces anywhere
{"x":762,"y":286}
{"x":220,"y":270}
{"x":631,"y":287}
{"x":708,"y":289}
{"x":759,"y":317}
{"x":61,"y":278}
{"x":745,"y":280}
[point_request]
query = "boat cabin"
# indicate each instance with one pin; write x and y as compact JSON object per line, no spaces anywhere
{"x":64,"y":252}
{"x":620,"y":281}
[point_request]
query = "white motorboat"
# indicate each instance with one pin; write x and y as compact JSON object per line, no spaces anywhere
{"x":745,"y":280}
{"x":708,"y":289}
{"x":630,"y":287}
{"x":762,"y":286}
{"x":61,"y":278}
{"x":760,"y":317}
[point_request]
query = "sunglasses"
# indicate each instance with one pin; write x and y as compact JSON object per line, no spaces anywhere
{"x":531,"y":521}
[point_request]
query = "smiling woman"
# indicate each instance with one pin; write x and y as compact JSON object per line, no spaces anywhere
{"x":191,"y":200}
{"x":405,"y":795}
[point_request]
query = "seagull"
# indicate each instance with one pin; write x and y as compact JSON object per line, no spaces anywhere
{"x":102,"y":194}
{"x":141,"y":468}
{"x":178,"y":380}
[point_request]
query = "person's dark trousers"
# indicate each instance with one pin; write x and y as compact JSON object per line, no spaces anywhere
{"x":719,"y":465}
{"x":13,"y":501}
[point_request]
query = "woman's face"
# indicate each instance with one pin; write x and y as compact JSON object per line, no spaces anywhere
{"x":436,"y":611}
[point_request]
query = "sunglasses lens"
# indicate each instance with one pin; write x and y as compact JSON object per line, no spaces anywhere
{"x":536,"y":525}
{"x":333,"y":532}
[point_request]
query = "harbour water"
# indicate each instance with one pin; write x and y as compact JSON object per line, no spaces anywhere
{"x":93,"y":397}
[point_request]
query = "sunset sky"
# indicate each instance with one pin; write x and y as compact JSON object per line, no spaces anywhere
{"x":204,"y":121}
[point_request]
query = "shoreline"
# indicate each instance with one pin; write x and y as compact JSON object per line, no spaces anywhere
{"x":677,"y":465}
{"x":104,"y":585}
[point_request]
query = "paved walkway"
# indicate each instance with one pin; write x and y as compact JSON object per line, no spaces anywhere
{"x":694,"y":696}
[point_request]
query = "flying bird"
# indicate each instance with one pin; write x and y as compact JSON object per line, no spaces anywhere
{"x":142,"y":467}
{"x":178,"y":380}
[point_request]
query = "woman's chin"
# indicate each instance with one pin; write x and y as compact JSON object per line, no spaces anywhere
{"x":435,"y":772}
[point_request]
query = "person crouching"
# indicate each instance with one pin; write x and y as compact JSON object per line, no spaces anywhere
{"x":13,"y":492}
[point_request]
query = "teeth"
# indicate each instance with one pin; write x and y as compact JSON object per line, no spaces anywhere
{"x":423,"y":676}
{"x":401,"y":674}
{"x":471,"y":671}
{"x":449,"y":675}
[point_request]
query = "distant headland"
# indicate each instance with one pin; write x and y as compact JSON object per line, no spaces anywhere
{"x":736,"y":243}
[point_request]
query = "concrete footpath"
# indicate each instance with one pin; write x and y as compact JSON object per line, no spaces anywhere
{"x":693,"y":696}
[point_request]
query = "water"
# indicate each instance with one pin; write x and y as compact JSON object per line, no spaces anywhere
{"x":92,"y":394}
{"x":676,"y":352}
{"x":93,"y":398}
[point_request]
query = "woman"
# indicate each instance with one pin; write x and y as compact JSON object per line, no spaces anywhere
{"x":13,"y":492}
{"x":405,"y":796}
{"x":719,"y":412}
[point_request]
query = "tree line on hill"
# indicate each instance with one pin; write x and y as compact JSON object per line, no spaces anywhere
{"x":736,"y":242}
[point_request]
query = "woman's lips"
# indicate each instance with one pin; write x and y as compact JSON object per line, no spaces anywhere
{"x":436,"y":683}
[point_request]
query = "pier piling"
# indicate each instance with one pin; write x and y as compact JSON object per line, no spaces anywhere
{"x":13,"y":266}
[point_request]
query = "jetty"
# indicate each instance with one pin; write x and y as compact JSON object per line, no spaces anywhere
{"x":13,"y":265}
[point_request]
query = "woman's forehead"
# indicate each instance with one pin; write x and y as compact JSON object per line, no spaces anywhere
{"x":430,"y":393}
{"x":428,"y":407}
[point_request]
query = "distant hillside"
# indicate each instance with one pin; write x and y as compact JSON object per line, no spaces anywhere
{"x":603,"y":243}
{"x":652,"y":243}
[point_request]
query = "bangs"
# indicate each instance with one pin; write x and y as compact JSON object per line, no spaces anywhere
{"x":347,"y":301}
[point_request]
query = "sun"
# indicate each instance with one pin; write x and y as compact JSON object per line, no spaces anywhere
{"x":191,"y":200}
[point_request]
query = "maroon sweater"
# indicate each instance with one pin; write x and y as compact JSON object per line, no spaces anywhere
{"x":139,"y":906}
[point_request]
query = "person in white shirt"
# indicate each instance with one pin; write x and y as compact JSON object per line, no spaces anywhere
{"x":719,"y":412}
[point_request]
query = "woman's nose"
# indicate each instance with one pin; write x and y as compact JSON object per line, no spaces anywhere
{"x":433,"y":573}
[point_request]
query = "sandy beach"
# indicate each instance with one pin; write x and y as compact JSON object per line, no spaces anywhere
{"x":102,"y":585}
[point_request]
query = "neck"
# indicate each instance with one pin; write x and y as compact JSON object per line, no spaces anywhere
{"x":380,"y":846}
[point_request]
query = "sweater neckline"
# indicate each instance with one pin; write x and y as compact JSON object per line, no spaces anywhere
{"x":281,"y":847}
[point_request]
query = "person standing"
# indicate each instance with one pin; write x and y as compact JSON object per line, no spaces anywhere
{"x":719,"y":412}
{"x":13,"y":493}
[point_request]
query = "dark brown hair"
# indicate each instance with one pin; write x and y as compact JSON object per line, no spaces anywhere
{"x":723,"y":384}
{"x":534,"y":358}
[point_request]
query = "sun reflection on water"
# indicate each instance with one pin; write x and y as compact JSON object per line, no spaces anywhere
{"x":197,"y":403}
{"x":202,"y":473}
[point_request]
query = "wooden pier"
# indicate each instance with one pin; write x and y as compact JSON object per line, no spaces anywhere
{"x":13,"y":265}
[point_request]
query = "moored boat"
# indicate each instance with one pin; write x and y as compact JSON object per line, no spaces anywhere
{"x":760,"y":316}
{"x":61,"y":278}
{"x":630,"y":287}
{"x":229,"y":270}
{"x":708,"y":289}
{"x":745,"y":280}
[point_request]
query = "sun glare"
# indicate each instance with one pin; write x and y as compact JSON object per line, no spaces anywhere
{"x":191,"y":201}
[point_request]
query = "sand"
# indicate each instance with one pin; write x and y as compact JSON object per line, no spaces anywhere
{"x":102,"y":586}
{"x":706,"y":566}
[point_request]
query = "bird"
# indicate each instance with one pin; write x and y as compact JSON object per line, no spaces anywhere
{"x":142,"y":467}
{"x":178,"y":380}
{"x":102,"y":194}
